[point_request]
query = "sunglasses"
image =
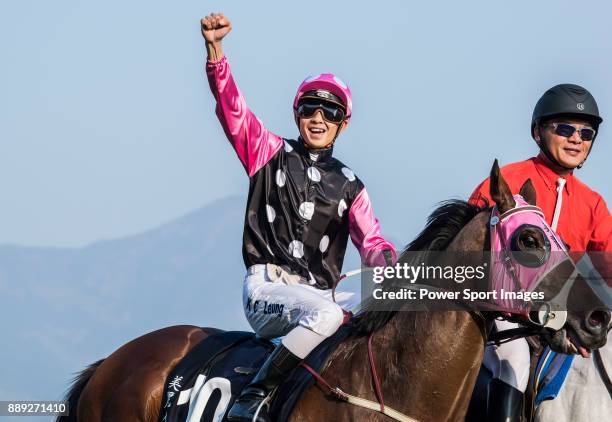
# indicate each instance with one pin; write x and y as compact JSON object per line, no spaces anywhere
{"x":331,"y":112}
{"x":566,"y":130}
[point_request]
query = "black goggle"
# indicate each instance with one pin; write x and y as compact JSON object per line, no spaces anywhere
{"x":566,"y":130}
{"x":331,"y":112}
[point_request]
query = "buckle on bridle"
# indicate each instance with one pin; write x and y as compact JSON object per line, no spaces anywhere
{"x":542,"y":315}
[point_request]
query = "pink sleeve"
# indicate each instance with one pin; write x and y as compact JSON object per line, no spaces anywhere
{"x":254,"y":144}
{"x":365,"y":232}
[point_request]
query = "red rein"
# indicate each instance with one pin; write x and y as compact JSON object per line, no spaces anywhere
{"x":339,"y":393}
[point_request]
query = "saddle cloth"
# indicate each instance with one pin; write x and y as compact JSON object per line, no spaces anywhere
{"x":204,"y":384}
{"x":550,"y":374}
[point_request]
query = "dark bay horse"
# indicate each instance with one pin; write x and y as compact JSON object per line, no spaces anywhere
{"x":427,"y":361}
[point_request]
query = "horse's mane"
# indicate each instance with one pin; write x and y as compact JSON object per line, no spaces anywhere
{"x":442,"y":226}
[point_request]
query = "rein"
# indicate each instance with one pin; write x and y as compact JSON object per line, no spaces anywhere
{"x":505,"y":336}
{"x":532,"y":327}
{"x":380,"y":407}
{"x":602,"y":371}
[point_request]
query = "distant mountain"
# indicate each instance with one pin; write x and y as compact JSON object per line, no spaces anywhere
{"x":61,"y":309}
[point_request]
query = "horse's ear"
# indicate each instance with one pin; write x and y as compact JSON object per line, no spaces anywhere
{"x":528,"y":192}
{"x":500,"y":191}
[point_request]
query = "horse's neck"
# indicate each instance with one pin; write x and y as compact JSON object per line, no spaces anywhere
{"x":420,"y":357}
{"x":423,"y":358}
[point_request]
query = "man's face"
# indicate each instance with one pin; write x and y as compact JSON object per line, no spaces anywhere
{"x":316,"y":131}
{"x":568,"y":151}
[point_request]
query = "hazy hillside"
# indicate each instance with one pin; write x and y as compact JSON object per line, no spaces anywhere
{"x":61,"y":309}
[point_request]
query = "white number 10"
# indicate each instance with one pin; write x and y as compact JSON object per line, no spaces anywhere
{"x":200,"y":393}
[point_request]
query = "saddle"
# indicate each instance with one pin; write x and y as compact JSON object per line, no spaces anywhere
{"x":205,"y":383}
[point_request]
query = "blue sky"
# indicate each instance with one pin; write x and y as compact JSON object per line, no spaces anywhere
{"x":107,"y":125}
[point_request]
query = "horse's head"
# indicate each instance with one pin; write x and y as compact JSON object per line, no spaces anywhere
{"x":528,"y":256}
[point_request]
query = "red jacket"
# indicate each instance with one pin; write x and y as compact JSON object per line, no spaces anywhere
{"x":585,"y":223}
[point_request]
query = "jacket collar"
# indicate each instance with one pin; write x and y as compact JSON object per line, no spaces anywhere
{"x":549,"y":176}
{"x":315,"y":155}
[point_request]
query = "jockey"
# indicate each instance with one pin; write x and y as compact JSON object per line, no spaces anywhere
{"x":564,"y":126}
{"x":302,"y":206}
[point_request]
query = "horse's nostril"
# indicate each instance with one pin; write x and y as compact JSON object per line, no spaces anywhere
{"x":597,"y":319}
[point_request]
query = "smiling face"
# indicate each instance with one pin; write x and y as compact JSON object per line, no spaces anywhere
{"x":318,"y":133}
{"x":571,"y":151}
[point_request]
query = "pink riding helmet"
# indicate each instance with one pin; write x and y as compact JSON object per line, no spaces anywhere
{"x":328,"y":82}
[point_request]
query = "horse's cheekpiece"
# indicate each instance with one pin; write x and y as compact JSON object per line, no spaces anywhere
{"x":205,"y":383}
{"x":512,"y":273}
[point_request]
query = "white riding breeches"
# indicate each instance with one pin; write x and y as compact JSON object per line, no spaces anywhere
{"x":509,"y":362}
{"x":274,"y":308}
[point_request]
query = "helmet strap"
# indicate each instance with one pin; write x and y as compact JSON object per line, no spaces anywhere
{"x":588,"y":153}
{"x":337,"y":133}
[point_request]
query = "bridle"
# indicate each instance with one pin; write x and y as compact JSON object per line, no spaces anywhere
{"x":510,"y":271}
{"x":506,"y":272}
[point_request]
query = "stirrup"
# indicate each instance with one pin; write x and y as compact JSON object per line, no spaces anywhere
{"x":264,"y":403}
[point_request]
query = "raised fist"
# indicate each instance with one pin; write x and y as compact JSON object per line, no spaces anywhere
{"x":214,"y":27}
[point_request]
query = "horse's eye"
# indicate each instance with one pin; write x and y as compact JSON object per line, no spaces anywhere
{"x":530,"y":246}
{"x":529,"y":241}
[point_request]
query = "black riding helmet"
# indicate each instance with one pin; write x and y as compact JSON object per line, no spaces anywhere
{"x":565,"y":100}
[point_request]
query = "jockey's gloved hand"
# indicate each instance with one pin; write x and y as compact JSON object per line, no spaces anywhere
{"x":388,"y":255}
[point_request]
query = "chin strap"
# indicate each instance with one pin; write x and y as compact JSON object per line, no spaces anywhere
{"x":588,"y":153}
{"x":337,"y":134}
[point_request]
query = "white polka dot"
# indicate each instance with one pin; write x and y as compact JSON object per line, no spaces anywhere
{"x":313,"y":174}
{"x":324,"y":243}
{"x":341,"y":207}
{"x":270,"y":213}
{"x":348,"y":173}
{"x":281,"y":178}
{"x":306,"y":210}
{"x":340,"y":82}
{"x":296,"y":248}
{"x":288,"y":147}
